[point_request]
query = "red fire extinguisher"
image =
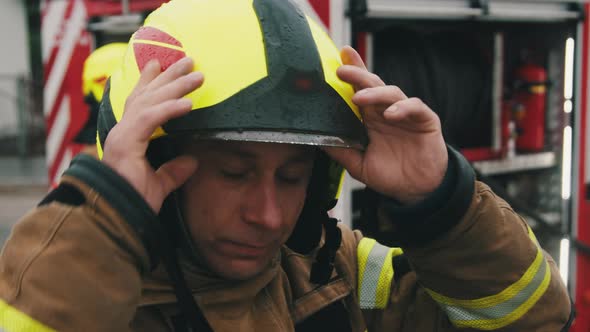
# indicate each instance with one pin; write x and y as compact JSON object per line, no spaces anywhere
{"x":529,"y":106}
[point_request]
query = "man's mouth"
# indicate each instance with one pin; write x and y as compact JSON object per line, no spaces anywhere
{"x":243,"y":250}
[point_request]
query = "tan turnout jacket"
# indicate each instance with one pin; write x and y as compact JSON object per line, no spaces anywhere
{"x":81,"y":267}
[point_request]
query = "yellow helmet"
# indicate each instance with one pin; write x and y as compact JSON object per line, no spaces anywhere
{"x":270,"y":76}
{"x":99,"y":66}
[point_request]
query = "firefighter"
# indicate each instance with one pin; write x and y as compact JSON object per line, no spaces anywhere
{"x":98,"y":67}
{"x":208,"y":209}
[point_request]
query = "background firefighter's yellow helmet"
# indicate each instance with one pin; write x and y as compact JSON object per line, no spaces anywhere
{"x":270,"y":76}
{"x":99,"y":66}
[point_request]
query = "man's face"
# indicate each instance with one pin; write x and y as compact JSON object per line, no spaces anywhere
{"x":243,"y":202}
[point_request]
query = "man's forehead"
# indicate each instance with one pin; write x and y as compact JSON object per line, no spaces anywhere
{"x":258,"y":150}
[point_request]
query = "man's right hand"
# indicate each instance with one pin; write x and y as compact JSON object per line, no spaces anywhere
{"x":157,"y":98}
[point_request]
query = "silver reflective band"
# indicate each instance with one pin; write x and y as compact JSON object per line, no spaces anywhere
{"x":375,"y":273}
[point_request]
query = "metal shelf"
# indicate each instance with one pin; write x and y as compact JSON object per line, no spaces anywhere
{"x":489,"y":10}
{"x":523,"y":162}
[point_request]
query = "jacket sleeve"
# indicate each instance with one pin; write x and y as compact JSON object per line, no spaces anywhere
{"x":476,"y":258}
{"x":73,"y":263}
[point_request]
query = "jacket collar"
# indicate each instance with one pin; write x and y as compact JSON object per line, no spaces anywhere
{"x":208,"y":288}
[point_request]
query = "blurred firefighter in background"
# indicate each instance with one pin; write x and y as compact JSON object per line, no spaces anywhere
{"x":98,"y":67}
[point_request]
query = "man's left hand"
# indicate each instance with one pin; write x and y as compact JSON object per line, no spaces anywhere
{"x":406,"y":157}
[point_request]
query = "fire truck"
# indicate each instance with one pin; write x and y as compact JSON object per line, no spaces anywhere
{"x":509,"y":79}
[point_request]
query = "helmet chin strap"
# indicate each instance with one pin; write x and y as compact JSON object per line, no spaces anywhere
{"x":306,"y":237}
{"x":322,"y":268}
{"x":308,"y":231}
{"x":192,"y":313}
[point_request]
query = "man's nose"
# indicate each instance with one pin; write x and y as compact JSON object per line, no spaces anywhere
{"x":262,"y":206}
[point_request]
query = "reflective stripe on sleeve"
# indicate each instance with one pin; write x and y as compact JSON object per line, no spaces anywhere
{"x":499,"y":310}
{"x":375,"y":273}
{"x":12,"y":320}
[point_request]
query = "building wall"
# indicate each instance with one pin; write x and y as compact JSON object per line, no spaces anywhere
{"x":14,"y":56}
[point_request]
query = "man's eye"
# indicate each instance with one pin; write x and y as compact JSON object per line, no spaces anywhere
{"x":290,"y":179}
{"x":234,"y":175}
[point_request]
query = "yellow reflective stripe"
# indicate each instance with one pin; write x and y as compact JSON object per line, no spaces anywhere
{"x":375,"y":266}
{"x":385,"y":278}
{"x":384,"y":282}
{"x":492,"y":324}
{"x":99,"y":147}
{"x":340,"y":185}
{"x":156,"y":43}
{"x":496,"y":299}
{"x":533,"y":237}
{"x":501,"y":309}
{"x":503,"y":296}
{"x":12,"y":320}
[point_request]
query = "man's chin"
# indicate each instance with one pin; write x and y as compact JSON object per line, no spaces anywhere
{"x":241,"y":269}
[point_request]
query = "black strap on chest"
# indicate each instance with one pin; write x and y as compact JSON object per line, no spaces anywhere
{"x":192,"y":318}
{"x":192,"y":315}
{"x":181,"y":324}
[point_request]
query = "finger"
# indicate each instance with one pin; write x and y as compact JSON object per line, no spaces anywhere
{"x":358,"y":77}
{"x":178,"y":88}
{"x":176,"y":172}
{"x":148,"y":120}
{"x":176,"y":70}
{"x":383,"y":95}
{"x":148,"y":74}
{"x":350,"y":159}
{"x":413,"y":110}
{"x":350,"y":56}
{"x":135,"y":132}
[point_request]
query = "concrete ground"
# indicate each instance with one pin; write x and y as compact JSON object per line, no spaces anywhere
{"x":15,"y":201}
{"x":22,"y":186}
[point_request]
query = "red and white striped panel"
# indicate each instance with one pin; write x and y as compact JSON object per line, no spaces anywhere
{"x":65,"y":45}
